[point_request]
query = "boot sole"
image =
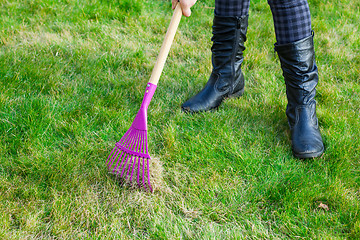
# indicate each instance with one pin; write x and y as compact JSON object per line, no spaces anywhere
{"x":237,"y":94}
{"x":308,"y":155}
{"x":234,"y":95}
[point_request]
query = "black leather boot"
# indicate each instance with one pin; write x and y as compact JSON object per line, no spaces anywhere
{"x":226,"y":79}
{"x":301,"y":77}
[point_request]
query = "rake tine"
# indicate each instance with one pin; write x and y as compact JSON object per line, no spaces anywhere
{"x":127,"y":143}
{"x":124,"y":166}
{"x":117,"y":169}
{"x":146,"y":143}
{"x":143,"y":174}
{"x":147,"y":160}
{"x":113,"y":158}
{"x":137,"y":150}
{"x":148,"y":173}
{"x":133,"y":167}
{"x":125,"y":135}
{"x":127,"y":168}
{"x":136,"y":145}
{"x":117,"y":162}
{"x":131,"y":147}
{"x":124,"y":154}
{"x":131,"y":162}
{"x":142,"y":151}
{"x":138,"y":174}
{"x":143,"y":145}
{"x":108,"y":159}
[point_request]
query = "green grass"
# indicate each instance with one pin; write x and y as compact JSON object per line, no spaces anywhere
{"x":72,"y":76}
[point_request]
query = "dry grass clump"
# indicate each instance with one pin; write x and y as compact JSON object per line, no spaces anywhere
{"x":156,"y":177}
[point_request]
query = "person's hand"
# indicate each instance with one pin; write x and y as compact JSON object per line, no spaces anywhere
{"x":185,"y":6}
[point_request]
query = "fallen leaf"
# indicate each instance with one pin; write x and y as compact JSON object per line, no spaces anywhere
{"x":323,"y":206}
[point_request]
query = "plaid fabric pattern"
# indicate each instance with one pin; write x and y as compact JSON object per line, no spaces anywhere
{"x":233,"y":8}
{"x":292,"y":20}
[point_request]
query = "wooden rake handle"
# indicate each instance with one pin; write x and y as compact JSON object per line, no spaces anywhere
{"x":165,"y":48}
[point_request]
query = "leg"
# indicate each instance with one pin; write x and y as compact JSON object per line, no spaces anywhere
{"x":292,"y":20}
{"x":229,"y":34}
{"x":295,"y":48}
{"x":234,"y":8}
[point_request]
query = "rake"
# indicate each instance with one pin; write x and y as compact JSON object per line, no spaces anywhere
{"x":130,"y":156}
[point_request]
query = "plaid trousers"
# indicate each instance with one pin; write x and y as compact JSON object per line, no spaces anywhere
{"x":292,"y":19}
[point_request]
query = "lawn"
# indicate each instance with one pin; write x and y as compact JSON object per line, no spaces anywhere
{"x":72,"y":78}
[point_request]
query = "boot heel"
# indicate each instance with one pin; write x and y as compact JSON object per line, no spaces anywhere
{"x":237,"y":94}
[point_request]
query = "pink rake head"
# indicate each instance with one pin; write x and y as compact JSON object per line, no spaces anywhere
{"x":131,"y":152}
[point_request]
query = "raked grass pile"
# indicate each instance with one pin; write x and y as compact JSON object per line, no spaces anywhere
{"x":72,"y":77}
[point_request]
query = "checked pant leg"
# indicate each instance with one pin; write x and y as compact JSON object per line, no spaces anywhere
{"x":233,"y":8}
{"x":292,"y":20}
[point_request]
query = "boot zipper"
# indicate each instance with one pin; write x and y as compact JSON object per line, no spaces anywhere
{"x":238,"y":23}
{"x":237,"y":36}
